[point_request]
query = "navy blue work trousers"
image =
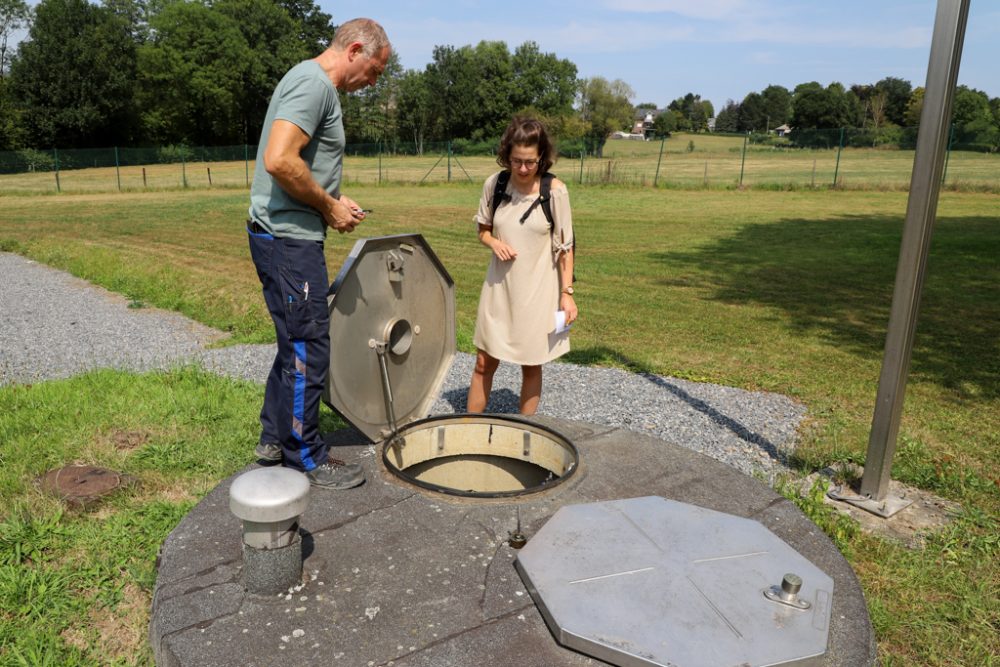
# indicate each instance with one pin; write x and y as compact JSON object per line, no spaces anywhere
{"x":294,"y":280}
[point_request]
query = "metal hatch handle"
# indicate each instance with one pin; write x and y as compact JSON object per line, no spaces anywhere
{"x":380,"y":350}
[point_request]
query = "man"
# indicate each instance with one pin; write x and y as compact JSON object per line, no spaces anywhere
{"x":294,"y":198}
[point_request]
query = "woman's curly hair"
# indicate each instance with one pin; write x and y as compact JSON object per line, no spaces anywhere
{"x":526,"y":131}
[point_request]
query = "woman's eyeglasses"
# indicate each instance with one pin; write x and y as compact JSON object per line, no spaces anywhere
{"x":530,"y":164}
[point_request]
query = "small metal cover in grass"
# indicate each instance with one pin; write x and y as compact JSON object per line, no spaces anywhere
{"x":81,"y":484}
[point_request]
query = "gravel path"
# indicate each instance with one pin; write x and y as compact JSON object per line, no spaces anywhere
{"x":54,"y":325}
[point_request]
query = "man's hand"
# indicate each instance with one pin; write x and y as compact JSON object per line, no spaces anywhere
{"x":339,"y":216}
{"x":358,"y":212}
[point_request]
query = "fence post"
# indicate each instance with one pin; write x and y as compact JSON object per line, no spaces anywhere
{"x":380,"y":164}
{"x":581,"y":166}
{"x":840,"y":147}
{"x":656,"y":177}
{"x":449,"y":160}
{"x":812,"y":184}
{"x":246,"y":162}
{"x":55,"y":153}
{"x":209,"y":170}
{"x":118,"y":171}
{"x":743,"y":158}
{"x":947,"y":155}
{"x":184,"y":178}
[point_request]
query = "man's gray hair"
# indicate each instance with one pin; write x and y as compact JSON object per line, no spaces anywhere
{"x":366,"y":31}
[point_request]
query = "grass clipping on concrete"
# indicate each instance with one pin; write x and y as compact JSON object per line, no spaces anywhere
{"x":764,"y":290}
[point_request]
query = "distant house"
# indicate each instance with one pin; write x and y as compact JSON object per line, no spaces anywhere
{"x":711,"y":124}
{"x":643,"y":122}
{"x":782,"y":130}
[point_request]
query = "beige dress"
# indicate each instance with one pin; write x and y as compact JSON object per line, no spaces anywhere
{"x":517,"y":305}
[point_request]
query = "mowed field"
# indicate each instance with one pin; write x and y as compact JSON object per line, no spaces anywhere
{"x":783,"y":291}
{"x":683,"y":160}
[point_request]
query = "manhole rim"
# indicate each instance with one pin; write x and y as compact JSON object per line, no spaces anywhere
{"x":505,"y":419}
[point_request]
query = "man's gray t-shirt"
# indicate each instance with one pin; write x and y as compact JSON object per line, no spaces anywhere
{"x":306,"y":97}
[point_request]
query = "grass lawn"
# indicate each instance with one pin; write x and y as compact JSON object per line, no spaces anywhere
{"x":785,"y":291}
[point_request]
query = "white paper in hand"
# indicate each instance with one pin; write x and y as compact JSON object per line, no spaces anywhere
{"x":561,"y":325}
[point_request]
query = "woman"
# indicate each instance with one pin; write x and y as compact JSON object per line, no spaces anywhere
{"x":531,"y":272}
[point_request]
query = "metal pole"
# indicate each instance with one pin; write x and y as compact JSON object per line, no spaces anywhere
{"x":184,"y":178}
{"x":659,"y":160}
{"x":449,"y":160}
{"x":246,"y":163}
{"x":840,"y":147}
{"x":581,"y":166}
{"x":117,"y":171}
{"x":380,"y":164}
{"x":743,"y":159}
{"x":55,"y":153}
{"x":947,"y":156}
{"x":925,"y":186}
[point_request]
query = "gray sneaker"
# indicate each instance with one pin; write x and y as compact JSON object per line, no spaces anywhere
{"x":335,"y":474}
{"x":268,"y":451}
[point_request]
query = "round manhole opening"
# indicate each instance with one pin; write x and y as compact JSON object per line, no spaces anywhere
{"x":480,"y":456}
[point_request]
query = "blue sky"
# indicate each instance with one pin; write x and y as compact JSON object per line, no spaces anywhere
{"x":719,"y":49}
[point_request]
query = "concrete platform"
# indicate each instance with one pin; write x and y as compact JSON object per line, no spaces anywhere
{"x":396,"y":576}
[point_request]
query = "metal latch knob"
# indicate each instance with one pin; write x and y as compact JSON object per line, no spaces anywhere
{"x":788,"y":592}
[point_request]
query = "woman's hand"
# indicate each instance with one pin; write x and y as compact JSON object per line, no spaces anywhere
{"x":568,"y":305}
{"x":503,"y":251}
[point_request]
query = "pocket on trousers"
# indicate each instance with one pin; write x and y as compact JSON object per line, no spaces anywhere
{"x":302,"y":316}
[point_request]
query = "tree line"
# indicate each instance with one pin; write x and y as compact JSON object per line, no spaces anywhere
{"x":887,"y":113}
{"x":200,"y":72}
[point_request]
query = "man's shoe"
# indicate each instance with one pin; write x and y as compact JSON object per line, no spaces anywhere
{"x":335,"y":474}
{"x":268,"y":451}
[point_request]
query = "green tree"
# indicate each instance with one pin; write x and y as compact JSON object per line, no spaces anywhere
{"x":728,"y":118}
{"x":14,"y":15}
{"x":665,"y":124}
{"x":470,"y":90}
{"x":897,"y":96}
{"x":542,"y":81}
{"x":414,"y":109}
{"x":604,"y":107}
{"x":371,"y":114}
{"x":275,"y":43}
{"x":914,"y":107}
{"x":814,"y":106}
{"x":972,"y":117}
{"x":776,"y":102}
{"x":73,"y":76}
{"x":315,"y":27}
{"x":192,"y":74}
{"x":752,"y":114}
{"x":694,"y":111}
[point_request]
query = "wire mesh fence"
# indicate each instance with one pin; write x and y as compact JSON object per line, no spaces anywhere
{"x":849,"y":158}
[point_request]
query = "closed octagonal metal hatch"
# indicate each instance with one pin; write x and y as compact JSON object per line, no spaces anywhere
{"x":651,"y":581}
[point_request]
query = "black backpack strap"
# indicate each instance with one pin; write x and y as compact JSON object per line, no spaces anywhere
{"x":545,"y":198}
{"x":500,"y":190}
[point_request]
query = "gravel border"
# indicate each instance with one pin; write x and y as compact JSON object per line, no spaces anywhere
{"x":55,"y":326}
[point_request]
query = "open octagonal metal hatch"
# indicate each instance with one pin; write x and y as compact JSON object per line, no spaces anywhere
{"x":392,"y":335}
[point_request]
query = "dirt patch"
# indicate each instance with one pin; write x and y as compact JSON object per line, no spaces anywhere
{"x":126,"y":441}
{"x":926,"y":514}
